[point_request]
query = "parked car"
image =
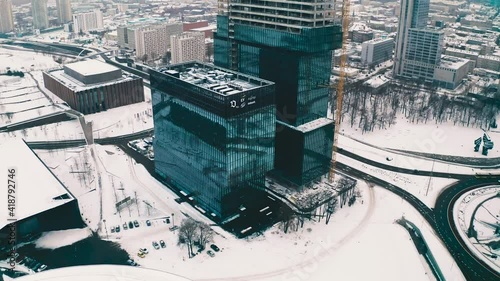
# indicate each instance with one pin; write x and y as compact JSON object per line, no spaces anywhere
{"x":117,"y":228}
{"x":388,"y":158}
{"x":136,"y":223}
{"x":167,"y":220}
{"x":148,"y":223}
{"x":131,"y":262}
{"x":210,"y":253}
{"x":125,"y":227}
{"x":156,"y":245}
{"x":214,"y":247}
{"x":141,"y":254}
{"x":130,"y":225}
{"x":113,"y":229}
{"x":162,"y":244}
{"x":144,"y":250}
{"x":42,"y":268}
{"x":37,"y":266}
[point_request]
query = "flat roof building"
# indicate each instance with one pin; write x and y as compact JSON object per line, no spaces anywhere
{"x":214,"y":134}
{"x":43,"y":202}
{"x":93,"y":86}
{"x":451,"y":71}
{"x":377,"y":50}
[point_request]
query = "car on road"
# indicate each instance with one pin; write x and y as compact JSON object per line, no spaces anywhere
{"x":144,"y":251}
{"x":37,"y":265}
{"x":214,"y":247}
{"x":125,"y":227}
{"x":148,"y":223}
{"x":156,"y":245}
{"x":388,"y":158}
{"x":117,"y":228}
{"x":130,"y":225}
{"x":141,"y":254}
{"x":42,"y":268}
{"x":162,"y":244}
{"x":167,"y":220}
{"x":210,"y":253}
{"x":136,"y":223}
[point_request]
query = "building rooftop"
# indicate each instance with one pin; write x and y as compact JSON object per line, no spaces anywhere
{"x":91,"y":67}
{"x":218,"y":80}
{"x":462,"y":51}
{"x":452,"y":62}
{"x":37,"y":189}
{"x":78,"y":86}
{"x":317,"y":123}
{"x":495,"y":58}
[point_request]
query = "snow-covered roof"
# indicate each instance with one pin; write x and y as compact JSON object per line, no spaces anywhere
{"x":317,"y":123}
{"x":36,"y":188}
{"x":102,"y":273}
{"x":91,"y":67}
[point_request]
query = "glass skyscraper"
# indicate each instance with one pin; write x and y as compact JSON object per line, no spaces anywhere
{"x":289,"y":43}
{"x":214,"y":134}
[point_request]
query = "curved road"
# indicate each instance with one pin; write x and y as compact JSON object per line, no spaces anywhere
{"x":472,"y":267}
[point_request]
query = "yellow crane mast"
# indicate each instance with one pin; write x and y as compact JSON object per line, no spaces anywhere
{"x":340,"y":86}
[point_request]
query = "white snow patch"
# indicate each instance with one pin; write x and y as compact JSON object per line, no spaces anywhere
{"x":61,"y":238}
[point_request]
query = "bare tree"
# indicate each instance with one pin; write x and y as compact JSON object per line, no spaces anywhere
{"x":205,"y":234}
{"x":187,"y":234}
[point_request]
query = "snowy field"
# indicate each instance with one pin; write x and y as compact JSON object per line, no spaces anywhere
{"x":68,"y":130}
{"x":429,"y":138}
{"x":486,"y":220}
{"x":358,"y":234}
{"x":24,"y":59}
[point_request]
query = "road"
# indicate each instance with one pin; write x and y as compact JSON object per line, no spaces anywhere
{"x":472,"y":267}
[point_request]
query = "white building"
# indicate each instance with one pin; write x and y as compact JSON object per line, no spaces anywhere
{"x":6,"y":19}
{"x":451,"y":71}
{"x":377,"y":50}
{"x":87,"y":21}
{"x":188,"y":46}
{"x":153,"y":40}
{"x":40,"y":14}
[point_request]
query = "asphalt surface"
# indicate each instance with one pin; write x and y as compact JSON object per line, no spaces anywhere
{"x":472,"y":267}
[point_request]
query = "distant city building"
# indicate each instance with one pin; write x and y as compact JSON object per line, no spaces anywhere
{"x":40,"y":14}
{"x":48,"y":204}
{"x":6,"y":17}
{"x":418,"y":49}
{"x":360,"y":33}
{"x":488,"y":62}
{"x":289,"y":43}
{"x":376,"y":51}
{"x":87,"y":21}
{"x":64,"y":13}
{"x":214,"y":134}
{"x":187,"y":47}
{"x":451,"y":71}
{"x":148,"y":38}
{"x":93,"y":86}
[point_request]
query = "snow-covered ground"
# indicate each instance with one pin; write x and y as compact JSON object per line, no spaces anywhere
{"x":486,"y":220}
{"x":355,"y":235}
{"x":68,"y":130}
{"x":429,"y":138}
{"x":61,"y":238}
{"x":424,"y":188}
{"x":24,"y":59}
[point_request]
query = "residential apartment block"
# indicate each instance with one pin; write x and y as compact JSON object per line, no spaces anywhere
{"x":188,"y":46}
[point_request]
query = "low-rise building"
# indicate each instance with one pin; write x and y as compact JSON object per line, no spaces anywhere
{"x":93,"y":86}
{"x":488,"y":62}
{"x":450,"y":72}
{"x":376,"y":51}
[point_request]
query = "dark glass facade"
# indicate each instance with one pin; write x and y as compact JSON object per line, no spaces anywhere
{"x":308,"y":152}
{"x":214,"y":153}
{"x":300,"y":65}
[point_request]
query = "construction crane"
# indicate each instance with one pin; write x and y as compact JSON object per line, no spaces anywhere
{"x":340,"y":86}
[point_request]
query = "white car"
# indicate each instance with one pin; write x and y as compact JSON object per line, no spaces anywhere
{"x":144,"y":250}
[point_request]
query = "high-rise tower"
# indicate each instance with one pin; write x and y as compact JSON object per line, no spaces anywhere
{"x":418,"y":49}
{"x":64,"y":13}
{"x":289,"y":43}
{"x":6,"y":19}
{"x":40,"y":14}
